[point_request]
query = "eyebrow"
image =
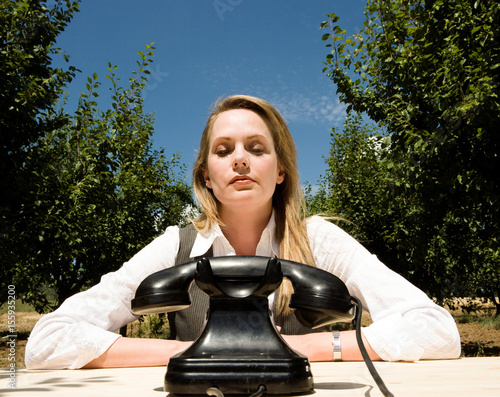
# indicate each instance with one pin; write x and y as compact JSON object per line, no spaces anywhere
{"x":227,"y":138}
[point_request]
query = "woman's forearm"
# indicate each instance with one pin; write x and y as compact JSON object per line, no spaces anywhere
{"x":319,"y":346}
{"x":350,"y":348}
{"x":137,"y":352}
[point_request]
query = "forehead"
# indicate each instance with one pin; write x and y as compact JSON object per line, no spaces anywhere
{"x":239,"y":122}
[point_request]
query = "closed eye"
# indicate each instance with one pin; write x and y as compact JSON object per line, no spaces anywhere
{"x":258,"y":151}
{"x":222,"y":152}
{"x":257,"y":148}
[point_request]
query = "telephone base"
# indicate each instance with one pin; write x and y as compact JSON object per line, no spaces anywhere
{"x":239,"y":375}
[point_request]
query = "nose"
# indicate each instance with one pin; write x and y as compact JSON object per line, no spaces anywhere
{"x":240,"y":160}
{"x":240,"y":163}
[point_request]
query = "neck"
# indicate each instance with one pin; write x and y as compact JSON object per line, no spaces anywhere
{"x":243,"y":228}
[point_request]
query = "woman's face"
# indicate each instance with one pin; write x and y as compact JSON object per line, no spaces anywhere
{"x":242,"y":167}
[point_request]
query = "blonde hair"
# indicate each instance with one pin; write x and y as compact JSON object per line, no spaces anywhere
{"x":288,"y":199}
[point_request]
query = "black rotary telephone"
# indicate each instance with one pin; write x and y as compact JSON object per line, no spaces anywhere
{"x":239,"y":351}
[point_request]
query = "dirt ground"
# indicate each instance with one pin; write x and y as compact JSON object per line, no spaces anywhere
{"x":477,"y":339}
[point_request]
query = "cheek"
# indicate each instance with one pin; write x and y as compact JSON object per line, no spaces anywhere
{"x":214,"y":173}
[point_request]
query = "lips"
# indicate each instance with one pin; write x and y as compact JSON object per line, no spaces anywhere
{"x":241,"y":179}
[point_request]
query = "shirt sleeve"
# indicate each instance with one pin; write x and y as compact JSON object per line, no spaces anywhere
{"x":407,"y":325}
{"x":85,"y":325}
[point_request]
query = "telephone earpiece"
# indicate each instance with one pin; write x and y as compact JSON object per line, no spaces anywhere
{"x":319,"y":297}
{"x":165,"y":291}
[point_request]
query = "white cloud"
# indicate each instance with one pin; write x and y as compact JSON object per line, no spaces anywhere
{"x":297,"y":107}
{"x":294,"y":102}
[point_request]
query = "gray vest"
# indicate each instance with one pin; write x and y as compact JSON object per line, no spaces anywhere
{"x":187,"y":324}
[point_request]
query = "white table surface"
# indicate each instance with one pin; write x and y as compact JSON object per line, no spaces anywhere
{"x":464,"y":377}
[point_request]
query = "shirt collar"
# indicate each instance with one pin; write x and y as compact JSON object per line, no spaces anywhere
{"x":268,"y":246}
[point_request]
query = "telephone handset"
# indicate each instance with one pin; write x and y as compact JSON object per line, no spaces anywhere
{"x":239,"y":350}
{"x":319,"y":297}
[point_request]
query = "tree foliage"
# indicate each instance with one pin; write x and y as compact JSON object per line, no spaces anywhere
{"x":97,"y":193}
{"x":358,"y":191}
{"x":428,"y":72}
{"x":29,"y":89}
{"x":354,"y":185}
{"x":29,"y":85}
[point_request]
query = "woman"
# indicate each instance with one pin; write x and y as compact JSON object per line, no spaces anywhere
{"x":247,"y":182}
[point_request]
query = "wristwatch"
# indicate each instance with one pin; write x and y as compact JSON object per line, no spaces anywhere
{"x":337,"y":353}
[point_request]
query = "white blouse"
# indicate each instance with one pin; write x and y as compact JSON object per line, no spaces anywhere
{"x":407,"y":325}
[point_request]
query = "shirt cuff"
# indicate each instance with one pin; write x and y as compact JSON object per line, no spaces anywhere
{"x":390,"y":339}
{"x":90,"y":342}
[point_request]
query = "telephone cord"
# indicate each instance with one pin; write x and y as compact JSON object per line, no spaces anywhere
{"x":357,"y":324}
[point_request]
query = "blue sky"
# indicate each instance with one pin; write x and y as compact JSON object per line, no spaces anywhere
{"x":207,"y":49}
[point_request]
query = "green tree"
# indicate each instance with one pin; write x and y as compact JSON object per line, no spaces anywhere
{"x":362,"y":193}
{"x":98,"y":194}
{"x":29,"y":85}
{"x":358,"y":190}
{"x":29,"y":88}
{"x":428,"y":72}
{"x":354,"y":187}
